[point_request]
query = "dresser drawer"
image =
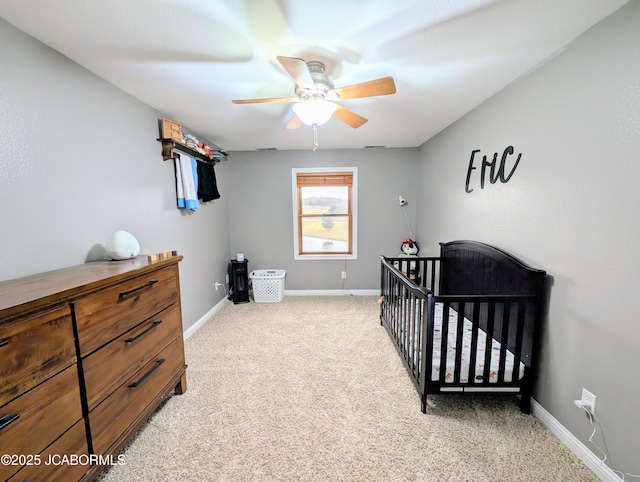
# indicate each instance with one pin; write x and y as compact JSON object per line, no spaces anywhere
{"x":109,"y":367}
{"x":39,"y":417}
{"x":52,"y":467}
{"x":106,"y":314}
{"x":117,"y":412}
{"x":32,"y":349}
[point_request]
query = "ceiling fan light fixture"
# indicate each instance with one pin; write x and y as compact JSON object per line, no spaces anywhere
{"x":314,"y":111}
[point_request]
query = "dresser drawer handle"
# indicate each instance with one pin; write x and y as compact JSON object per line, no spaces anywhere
{"x":149,"y":328}
{"x":8,"y":419}
{"x":158,"y":362}
{"x":124,"y":294}
{"x":4,"y":342}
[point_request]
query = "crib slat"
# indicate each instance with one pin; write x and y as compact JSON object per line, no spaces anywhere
{"x":406,"y":335}
{"x":444,"y":335}
{"x":432,"y":286}
{"x":489,"y":341}
{"x":412,"y":333}
{"x":459,"y":347}
{"x":522,"y":308}
{"x":401,"y":315}
{"x":418,"y":335}
{"x":406,"y":325}
{"x":426,"y":351}
{"x":421,"y":331}
{"x":410,"y":307}
{"x":396,"y":310}
{"x":474,"y":343}
{"x":504,"y":339}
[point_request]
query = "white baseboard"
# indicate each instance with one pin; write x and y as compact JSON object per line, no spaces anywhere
{"x":576,"y":446}
{"x":204,"y":318}
{"x":331,"y":292}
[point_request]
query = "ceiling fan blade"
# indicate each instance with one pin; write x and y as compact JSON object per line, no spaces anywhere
{"x":349,"y":117}
{"x":371,"y":88}
{"x":298,"y":71}
{"x":293,"y":123}
{"x":268,"y":100}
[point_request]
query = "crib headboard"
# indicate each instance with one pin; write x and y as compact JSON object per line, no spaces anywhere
{"x":474,"y":268}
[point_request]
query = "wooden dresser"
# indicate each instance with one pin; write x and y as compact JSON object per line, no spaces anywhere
{"x":87,"y":353}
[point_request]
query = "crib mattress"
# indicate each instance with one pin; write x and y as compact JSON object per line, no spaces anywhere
{"x":466,"y":352}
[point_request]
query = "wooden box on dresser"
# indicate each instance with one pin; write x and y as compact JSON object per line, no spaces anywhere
{"x":87,"y":354}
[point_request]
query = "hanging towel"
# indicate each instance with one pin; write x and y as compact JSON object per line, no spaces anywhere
{"x":207,"y":185}
{"x":186,"y":182}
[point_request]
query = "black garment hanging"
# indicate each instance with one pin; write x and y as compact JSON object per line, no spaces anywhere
{"x":207,"y":185}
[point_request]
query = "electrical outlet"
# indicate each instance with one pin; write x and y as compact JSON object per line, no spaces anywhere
{"x":344,"y":275}
{"x":590,"y":399}
{"x":218,"y":285}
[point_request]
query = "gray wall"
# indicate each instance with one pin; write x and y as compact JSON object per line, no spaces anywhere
{"x":261,"y":222}
{"x":79,"y":160}
{"x":571,"y":208}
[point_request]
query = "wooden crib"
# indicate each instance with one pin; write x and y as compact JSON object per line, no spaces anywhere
{"x":490,"y":303}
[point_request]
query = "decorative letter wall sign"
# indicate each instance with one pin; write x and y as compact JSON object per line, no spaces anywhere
{"x":496,"y":171}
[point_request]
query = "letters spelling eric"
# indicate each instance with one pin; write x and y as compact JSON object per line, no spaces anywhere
{"x":494,"y":174}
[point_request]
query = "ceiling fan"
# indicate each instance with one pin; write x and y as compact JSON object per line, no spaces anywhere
{"x":315,"y":95}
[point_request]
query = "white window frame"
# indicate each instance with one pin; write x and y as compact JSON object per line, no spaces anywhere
{"x":354,"y":214}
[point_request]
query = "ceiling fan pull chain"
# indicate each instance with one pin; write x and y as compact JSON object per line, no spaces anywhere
{"x":315,"y":136}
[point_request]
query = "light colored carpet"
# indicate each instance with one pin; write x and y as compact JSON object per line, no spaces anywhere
{"x":312,"y":389}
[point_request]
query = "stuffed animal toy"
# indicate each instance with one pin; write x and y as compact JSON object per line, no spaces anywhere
{"x":409,"y":249}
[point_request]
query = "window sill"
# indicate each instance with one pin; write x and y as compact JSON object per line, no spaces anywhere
{"x":323,"y":257}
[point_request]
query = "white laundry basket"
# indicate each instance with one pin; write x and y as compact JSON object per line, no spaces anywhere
{"x":268,"y":285}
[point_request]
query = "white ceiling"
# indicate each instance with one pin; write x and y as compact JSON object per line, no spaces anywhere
{"x":190,"y":58}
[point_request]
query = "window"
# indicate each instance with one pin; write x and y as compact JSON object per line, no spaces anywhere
{"x":324,"y":212}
